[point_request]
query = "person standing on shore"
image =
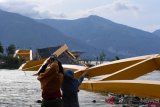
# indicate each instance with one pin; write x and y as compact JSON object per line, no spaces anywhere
{"x":70,"y":89}
{"x":51,"y":81}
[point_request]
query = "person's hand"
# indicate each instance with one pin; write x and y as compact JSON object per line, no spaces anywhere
{"x":85,"y":74}
{"x":49,"y":61}
{"x":35,"y":74}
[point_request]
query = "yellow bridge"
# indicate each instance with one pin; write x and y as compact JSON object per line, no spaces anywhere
{"x":25,"y":54}
{"x":121,"y":74}
{"x":117,"y":76}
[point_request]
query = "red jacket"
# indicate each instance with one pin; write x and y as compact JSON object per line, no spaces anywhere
{"x":51,"y":82}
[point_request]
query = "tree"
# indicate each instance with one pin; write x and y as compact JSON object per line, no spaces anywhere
{"x":102,"y":57}
{"x":11,"y":50}
{"x":1,"y":48}
{"x":97,"y":59}
{"x":117,"y":58}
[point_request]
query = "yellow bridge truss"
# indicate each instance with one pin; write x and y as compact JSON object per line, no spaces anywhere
{"x":117,"y":76}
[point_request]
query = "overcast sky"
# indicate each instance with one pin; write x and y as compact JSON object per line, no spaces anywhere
{"x":142,"y":14}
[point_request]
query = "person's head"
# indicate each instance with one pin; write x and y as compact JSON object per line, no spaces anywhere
{"x":69,"y":73}
{"x":53,"y":58}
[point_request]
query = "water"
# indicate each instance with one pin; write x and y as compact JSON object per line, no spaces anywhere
{"x":155,"y":75}
{"x":19,"y":89}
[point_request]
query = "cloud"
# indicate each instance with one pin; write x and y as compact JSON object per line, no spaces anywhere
{"x":33,"y":8}
{"x":51,"y":8}
{"x":123,"y":6}
{"x":115,"y":8}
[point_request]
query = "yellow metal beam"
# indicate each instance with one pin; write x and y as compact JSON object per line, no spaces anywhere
{"x":25,"y":54}
{"x":111,"y":67}
{"x":61,"y":50}
{"x":35,"y":65}
{"x":71,"y":54}
{"x":73,"y":67}
{"x":32,"y":65}
{"x":135,"y":70}
{"x":149,"y":89}
{"x":73,"y":57}
{"x":57,"y":53}
{"x":23,"y":51}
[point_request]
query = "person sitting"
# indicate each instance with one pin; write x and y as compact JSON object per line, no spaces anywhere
{"x":70,"y":89}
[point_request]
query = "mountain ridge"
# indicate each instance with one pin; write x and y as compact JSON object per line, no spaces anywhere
{"x":92,"y":34}
{"x":157,"y":32}
{"x":25,"y":33}
{"x":108,"y":35}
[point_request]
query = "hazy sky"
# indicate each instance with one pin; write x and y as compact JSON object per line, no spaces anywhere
{"x":142,"y":14}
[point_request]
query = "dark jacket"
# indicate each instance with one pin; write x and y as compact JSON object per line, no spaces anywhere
{"x":70,"y":87}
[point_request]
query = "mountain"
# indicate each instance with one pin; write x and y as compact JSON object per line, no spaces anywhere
{"x":27,"y":33}
{"x":107,"y":35}
{"x":157,"y":32}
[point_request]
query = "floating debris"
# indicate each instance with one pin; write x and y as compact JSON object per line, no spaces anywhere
{"x":127,"y":100}
{"x":39,"y":101}
{"x":94,"y":101}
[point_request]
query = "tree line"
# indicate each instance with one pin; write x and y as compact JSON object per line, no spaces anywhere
{"x":7,"y":59}
{"x":9,"y":50}
{"x":101,"y":58}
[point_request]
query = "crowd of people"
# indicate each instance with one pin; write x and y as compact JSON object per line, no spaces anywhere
{"x":59,"y":87}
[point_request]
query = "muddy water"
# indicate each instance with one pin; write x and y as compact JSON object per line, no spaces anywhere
{"x":19,"y":89}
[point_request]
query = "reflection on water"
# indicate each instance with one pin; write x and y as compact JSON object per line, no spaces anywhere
{"x":19,"y":89}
